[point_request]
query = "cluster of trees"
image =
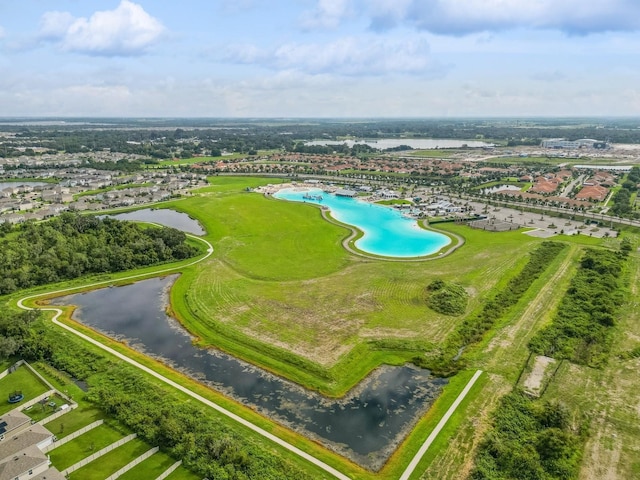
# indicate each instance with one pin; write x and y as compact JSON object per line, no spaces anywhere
{"x":17,"y":337}
{"x":73,"y":245}
{"x":444,"y":361}
{"x":529,"y":440}
{"x":446,"y":298}
{"x":343,"y":149}
{"x":205,"y":445}
{"x":622,"y":206}
{"x":581,"y":328}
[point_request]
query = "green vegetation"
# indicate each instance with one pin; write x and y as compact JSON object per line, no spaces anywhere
{"x":71,"y":246}
{"x":581,"y":328}
{"x":447,"y":298}
{"x":443,"y":360}
{"x":152,"y":467}
{"x":86,"y":444}
{"x":529,"y":440}
{"x":624,"y":196}
{"x":24,"y":381}
{"x":432,"y":153}
{"x":111,"y":462}
{"x":80,"y":417}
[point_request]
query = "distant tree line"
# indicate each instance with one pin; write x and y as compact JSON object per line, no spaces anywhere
{"x":184,"y":138}
{"x":72,"y":245}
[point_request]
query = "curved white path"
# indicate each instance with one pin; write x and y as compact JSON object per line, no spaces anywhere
{"x":164,"y":379}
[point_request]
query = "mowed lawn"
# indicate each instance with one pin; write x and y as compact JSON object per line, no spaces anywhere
{"x":151,"y":468}
{"x":111,"y":462}
{"x":22,"y":380}
{"x":268,"y":239}
{"x":280,"y":276}
{"x":74,"y":420}
{"x":86,"y":444}
{"x":182,"y":473}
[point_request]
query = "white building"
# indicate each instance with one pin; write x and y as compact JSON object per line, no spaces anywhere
{"x":573,"y":144}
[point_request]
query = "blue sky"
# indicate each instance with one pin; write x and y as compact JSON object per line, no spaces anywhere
{"x":320,"y":58}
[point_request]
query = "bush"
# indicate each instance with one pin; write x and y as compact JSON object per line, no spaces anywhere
{"x":446,"y":298}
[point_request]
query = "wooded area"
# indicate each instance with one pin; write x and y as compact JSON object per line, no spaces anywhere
{"x":73,"y":245}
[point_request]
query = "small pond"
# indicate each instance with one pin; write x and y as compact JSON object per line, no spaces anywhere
{"x":164,"y":216}
{"x":367,"y":425}
{"x":387,"y":231}
{"x":497,"y":188}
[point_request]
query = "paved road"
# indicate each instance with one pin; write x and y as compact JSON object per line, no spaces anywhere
{"x":443,"y":421}
{"x":164,"y":379}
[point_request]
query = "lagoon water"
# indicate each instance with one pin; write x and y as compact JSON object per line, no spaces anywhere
{"x":387,"y":232}
{"x":367,"y":425}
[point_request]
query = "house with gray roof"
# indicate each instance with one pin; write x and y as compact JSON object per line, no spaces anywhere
{"x":12,"y":423}
{"x":28,"y":462}
{"x":34,"y":435}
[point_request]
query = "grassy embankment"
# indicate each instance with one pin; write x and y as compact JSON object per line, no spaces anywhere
{"x":318,"y":316}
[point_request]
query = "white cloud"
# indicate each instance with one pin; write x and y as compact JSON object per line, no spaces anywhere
{"x":349,"y":56}
{"x":327,"y":14}
{"x":2,"y":32}
{"x":461,"y":17}
{"x":126,"y":30}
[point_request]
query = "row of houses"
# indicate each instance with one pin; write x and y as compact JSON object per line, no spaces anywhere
{"x":21,"y":449}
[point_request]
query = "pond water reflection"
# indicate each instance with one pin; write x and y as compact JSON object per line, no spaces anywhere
{"x":367,"y":425}
{"x":164,"y":216}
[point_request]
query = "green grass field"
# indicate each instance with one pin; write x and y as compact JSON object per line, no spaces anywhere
{"x":23,"y":380}
{"x":183,"y":474}
{"x":281,"y":291}
{"x":86,"y":444}
{"x":152,"y":467}
{"x":78,"y":418}
{"x":111,"y":462}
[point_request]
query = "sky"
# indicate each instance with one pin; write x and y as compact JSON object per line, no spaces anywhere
{"x":319,"y":58}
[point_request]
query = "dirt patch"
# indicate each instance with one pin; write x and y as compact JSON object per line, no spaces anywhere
{"x":533,"y":382}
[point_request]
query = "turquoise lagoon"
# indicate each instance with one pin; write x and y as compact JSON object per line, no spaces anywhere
{"x":387,"y":232}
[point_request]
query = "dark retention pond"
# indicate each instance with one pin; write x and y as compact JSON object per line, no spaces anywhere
{"x":367,"y":425}
{"x":163,"y":216}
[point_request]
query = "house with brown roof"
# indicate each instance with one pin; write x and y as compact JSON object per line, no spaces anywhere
{"x":596,"y":193}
